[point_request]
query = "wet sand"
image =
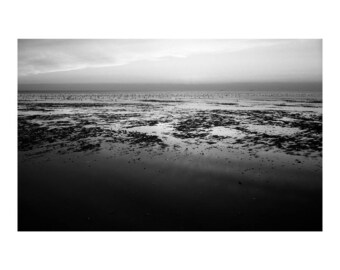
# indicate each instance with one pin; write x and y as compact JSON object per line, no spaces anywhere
{"x":169,"y":162}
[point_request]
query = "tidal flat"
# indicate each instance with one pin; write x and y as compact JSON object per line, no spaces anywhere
{"x":170,"y":161}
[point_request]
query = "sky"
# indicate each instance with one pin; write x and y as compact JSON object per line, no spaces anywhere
{"x":161,"y":61}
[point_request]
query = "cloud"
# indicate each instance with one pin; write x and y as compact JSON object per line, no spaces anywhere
{"x":168,"y":61}
{"x":45,"y":56}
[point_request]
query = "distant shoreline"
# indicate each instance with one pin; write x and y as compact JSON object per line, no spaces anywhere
{"x":255,"y":86}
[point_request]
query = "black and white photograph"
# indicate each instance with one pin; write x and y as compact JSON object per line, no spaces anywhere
{"x":170,"y":134}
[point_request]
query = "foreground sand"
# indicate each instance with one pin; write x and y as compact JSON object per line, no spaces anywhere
{"x":168,"y":191}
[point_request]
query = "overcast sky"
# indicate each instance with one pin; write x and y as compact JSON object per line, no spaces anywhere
{"x":169,"y":61}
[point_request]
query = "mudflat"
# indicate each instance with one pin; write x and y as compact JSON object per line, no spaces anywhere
{"x":155,"y":161}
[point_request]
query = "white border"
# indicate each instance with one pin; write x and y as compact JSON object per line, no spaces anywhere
{"x":168,"y":19}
